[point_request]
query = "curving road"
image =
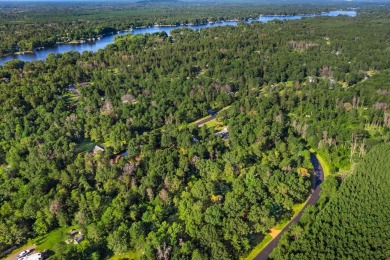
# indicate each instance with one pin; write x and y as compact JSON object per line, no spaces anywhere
{"x":319,"y":173}
{"x":204,"y":121}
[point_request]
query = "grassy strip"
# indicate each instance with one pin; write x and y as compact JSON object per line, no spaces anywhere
{"x":325,"y":165}
{"x":197,"y":121}
{"x":267,"y":239}
{"x":296,"y":209}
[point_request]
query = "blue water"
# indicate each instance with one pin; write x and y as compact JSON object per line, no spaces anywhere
{"x":105,"y":40}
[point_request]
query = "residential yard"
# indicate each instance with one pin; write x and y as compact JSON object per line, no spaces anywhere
{"x":218,"y":126}
{"x":212,"y":123}
{"x":46,"y":242}
{"x":50,"y":240}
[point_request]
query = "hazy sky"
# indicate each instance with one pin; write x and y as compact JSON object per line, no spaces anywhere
{"x":200,"y":1}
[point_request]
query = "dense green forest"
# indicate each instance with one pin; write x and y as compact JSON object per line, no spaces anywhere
{"x":354,"y":224}
{"x":183,"y":192}
{"x":25,"y":27}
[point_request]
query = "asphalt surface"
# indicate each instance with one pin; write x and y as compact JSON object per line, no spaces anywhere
{"x":204,"y":121}
{"x":15,"y":255}
{"x":319,"y":173}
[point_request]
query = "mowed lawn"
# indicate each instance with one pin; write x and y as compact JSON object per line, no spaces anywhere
{"x":46,"y":242}
{"x":50,"y":240}
{"x":85,"y":146}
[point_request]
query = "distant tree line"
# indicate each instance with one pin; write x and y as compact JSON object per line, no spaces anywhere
{"x":27,"y":27}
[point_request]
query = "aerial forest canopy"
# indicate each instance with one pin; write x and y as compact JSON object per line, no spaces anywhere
{"x":353,"y":225}
{"x":159,"y":185}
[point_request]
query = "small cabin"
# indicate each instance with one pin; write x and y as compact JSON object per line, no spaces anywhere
{"x":224,"y":134}
{"x":78,"y":239}
{"x":73,"y":232}
{"x":97,"y":149}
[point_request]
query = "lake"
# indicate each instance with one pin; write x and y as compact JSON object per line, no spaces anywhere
{"x":107,"y":39}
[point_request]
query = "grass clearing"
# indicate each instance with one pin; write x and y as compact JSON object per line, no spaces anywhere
{"x":50,"y":240}
{"x":289,"y":83}
{"x":212,"y":123}
{"x":128,"y":255}
{"x":280,"y":225}
{"x":85,"y":146}
{"x":218,"y":126}
{"x":325,"y":165}
{"x":298,"y":207}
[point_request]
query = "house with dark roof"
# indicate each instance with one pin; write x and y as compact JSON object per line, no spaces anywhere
{"x":78,"y":239}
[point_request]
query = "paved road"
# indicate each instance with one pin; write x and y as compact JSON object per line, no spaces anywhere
{"x":15,"y":255}
{"x":319,"y":173}
{"x":204,"y":121}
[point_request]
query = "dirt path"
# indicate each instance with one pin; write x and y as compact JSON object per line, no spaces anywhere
{"x":15,"y":255}
{"x":319,"y":173}
{"x":274,"y":232}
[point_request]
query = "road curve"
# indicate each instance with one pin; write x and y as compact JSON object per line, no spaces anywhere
{"x":204,"y":121}
{"x":319,"y":173}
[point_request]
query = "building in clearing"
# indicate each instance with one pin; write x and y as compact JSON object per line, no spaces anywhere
{"x":224,"y":134}
{"x":77,"y":239}
{"x":97,"y":149}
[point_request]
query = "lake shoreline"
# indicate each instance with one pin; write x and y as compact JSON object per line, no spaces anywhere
{"x":101,"y":41}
